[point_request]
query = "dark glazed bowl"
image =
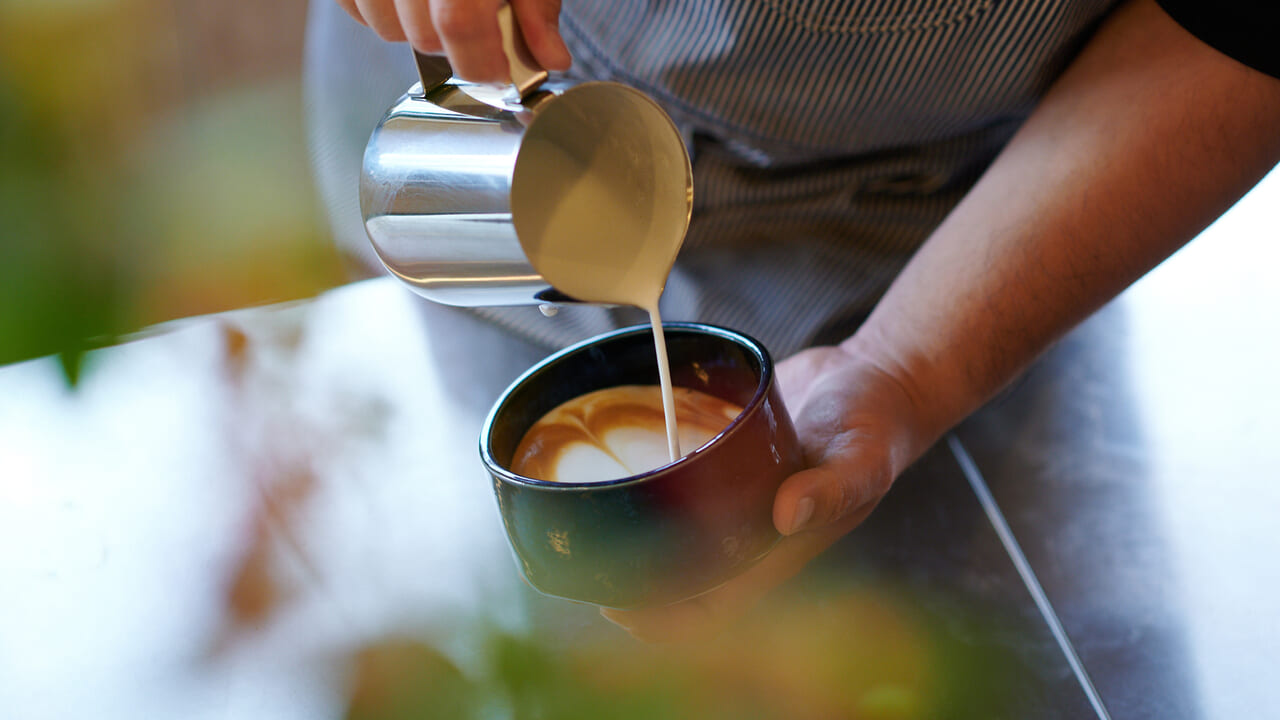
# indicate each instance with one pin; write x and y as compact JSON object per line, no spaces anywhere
{"x":661,"y":536}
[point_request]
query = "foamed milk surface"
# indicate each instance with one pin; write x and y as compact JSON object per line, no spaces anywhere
{"x":616,"y":433}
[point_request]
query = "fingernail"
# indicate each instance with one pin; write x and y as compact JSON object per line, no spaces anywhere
{"x":804,"y":513}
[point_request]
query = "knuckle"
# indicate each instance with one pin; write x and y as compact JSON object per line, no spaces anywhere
{"x":857,"y":487}
{"x":877,"y":486}
{"x":848,"y":496}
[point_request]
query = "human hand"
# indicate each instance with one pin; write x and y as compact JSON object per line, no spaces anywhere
{"x":859,"y":427}
{"x":467,"y":31}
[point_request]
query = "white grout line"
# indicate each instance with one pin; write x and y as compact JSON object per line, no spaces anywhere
{"x":979,"y":485}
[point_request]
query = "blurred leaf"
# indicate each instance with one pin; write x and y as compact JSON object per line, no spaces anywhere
{"x":832,"y":650}
{"x":116,"y":215}
{"x":58,"y":293}
{"x":402,"y":679}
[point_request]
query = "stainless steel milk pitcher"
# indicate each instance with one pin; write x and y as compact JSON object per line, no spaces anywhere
{"x":462,"y":182}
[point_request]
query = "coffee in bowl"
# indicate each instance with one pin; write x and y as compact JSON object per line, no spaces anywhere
{"x":662,"y":534}
{"x":617,"y":432}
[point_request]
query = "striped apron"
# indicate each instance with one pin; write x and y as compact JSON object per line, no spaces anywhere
{"x":829,"y":137}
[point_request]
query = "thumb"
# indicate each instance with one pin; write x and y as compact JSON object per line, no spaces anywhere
{"x":832,"y":491}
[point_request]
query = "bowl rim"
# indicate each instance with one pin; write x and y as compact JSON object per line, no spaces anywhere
{"x":758,"y":397}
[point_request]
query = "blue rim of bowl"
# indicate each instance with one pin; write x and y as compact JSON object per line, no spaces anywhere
{"x":757,"y":399}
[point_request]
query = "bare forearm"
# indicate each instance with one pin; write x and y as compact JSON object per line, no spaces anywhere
{"x":1146,"y":139}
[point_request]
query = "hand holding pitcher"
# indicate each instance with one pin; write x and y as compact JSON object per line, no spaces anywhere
{"x":466,"y":31}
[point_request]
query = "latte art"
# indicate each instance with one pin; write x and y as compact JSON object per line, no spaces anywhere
{"x":616,"y":432}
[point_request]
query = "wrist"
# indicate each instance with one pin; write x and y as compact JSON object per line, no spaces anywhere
{"x":930,"y":402}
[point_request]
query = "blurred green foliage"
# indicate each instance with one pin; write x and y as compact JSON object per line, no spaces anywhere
{"x":60,"y":288}
{"x":842,"y":651}
{"x":128,"y":198}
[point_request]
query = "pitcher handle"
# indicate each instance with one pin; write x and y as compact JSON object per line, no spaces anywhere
{"x":526,"y":74}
